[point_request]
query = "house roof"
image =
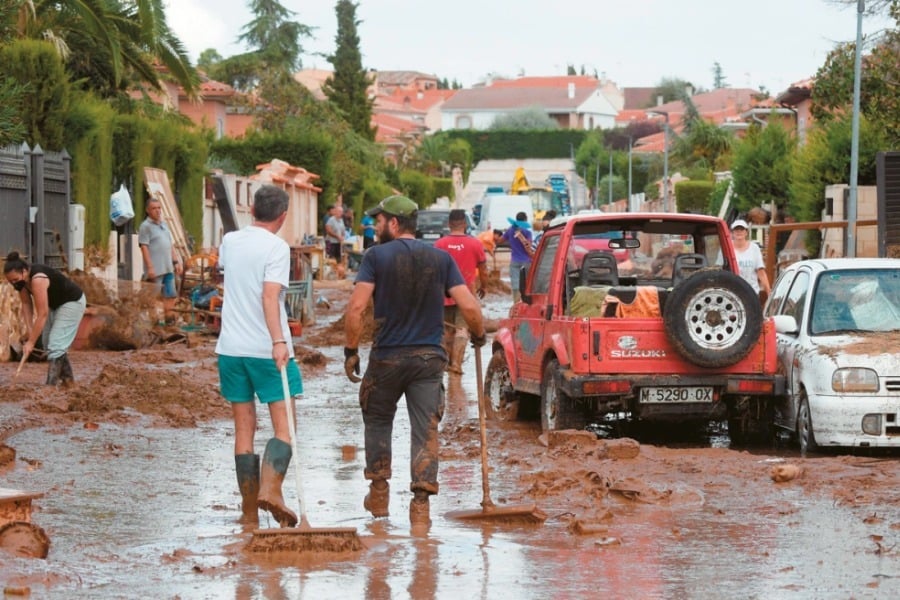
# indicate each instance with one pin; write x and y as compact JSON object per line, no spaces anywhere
{"x":402,"y":77}
{"x":500,"y":98}
{"x":796,"y":93}
{"x":390,"y":128}
{"x":715,"y":106}
{"x":395,"y":105}
{"x":420,"y":101}
{"x":638,"y":98}
{"x":628,"y":116}
{"x":313,"y":79}
{"x":561,"y":81}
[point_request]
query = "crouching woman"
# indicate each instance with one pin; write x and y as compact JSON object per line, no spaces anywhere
{"x":52,"y":304}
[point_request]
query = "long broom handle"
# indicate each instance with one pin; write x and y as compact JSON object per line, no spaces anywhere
{"x":486,"y":502}
{"x":292,"y":429}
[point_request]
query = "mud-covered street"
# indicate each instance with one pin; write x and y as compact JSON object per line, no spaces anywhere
{"x":140,"y":500}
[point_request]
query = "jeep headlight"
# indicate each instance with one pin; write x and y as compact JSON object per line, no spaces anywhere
{"x":854,"y":380}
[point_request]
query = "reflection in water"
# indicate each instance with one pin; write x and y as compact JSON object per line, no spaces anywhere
{"x":457,"y":409}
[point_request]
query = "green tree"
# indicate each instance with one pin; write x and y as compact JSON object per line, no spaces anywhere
{"x":208,"y":59}
{"x":762,"y":166}
{"x":702,"y":144}
{"x":832,"y":94}
{"x":43,"y":108}
{"x":12,"y":126}
{"x":719,"y":80}
{"x":527,"y":119}
{"x":275,"y":49}
{"x":348,"y":88}
{"x":619,"y":189}
{"x":274,"y":35}
{"x":107,"y":45}
{"x":671,"y":89}
{"x":429,"y":155}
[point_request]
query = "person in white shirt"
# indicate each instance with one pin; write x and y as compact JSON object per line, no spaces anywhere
{"x":254,"y":345}
{"x":749,"y":258}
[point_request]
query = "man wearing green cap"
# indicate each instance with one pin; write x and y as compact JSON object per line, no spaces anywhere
{"x":408,"y":281}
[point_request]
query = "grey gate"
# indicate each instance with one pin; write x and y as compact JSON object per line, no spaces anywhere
{"x":34,"y":204}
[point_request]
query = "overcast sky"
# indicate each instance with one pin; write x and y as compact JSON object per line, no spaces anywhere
{"x":634,"y":42}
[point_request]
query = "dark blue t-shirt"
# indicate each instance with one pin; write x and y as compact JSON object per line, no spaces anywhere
{"x":411,"y":281}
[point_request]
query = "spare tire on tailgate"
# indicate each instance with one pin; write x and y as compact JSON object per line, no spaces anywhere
{"x":713,"y":318}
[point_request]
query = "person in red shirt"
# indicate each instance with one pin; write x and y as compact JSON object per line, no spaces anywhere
{"x":468,"y":253}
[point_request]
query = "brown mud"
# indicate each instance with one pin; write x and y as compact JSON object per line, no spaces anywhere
{"x":628,"y":517}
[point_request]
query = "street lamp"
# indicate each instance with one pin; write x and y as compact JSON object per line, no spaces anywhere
{"x":665,"y":114}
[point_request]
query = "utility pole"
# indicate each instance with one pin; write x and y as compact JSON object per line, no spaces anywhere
{"x":854,"y":136}
{"x":628,"y":204}
{"x":610,"y":177}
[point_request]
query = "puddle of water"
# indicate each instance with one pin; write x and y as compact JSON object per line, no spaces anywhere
{"x":150,"y":512}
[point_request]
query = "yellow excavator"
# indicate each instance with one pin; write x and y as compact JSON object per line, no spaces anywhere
{"x":543,"y":198}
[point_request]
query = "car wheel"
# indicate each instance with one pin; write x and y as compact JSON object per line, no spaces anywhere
{"x":805,"y":435}
{"x":750,"y":421}
{"x":713,"y":318}
{"x":502,"y":401}
{"x":558,"y":411}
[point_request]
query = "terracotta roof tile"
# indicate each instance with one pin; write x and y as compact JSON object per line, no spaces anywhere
{"x":493,"y":98}
{"x":562,"y":81}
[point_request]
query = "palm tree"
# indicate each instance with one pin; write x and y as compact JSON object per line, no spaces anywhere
{"x":106,"y":44}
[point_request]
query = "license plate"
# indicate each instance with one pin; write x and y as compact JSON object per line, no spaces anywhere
{"x":663,"y":395}
{"x":431,"y":236}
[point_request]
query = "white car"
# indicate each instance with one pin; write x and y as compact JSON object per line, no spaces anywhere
{"x":838,"y":332}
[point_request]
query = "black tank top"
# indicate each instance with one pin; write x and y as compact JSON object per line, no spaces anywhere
{"x":61,"y":289}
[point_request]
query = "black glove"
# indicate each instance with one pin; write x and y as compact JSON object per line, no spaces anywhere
{"x":480,"y":293}
{"x":478,"y":340}
{"x":351,"y":364}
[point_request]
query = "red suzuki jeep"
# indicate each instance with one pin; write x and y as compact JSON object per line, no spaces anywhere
{"x":640,"y":313}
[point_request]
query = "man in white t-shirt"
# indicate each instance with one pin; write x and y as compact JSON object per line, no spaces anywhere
{"x":749,"y":258}
{"x":254,"y":345}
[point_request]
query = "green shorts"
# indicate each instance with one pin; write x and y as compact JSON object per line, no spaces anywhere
{"x":241,"y":377}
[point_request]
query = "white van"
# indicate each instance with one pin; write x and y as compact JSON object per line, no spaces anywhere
{"x":497,"y":209}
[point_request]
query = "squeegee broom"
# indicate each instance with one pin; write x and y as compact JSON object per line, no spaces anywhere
{"x":303,"y":537}
{"x":512,"y":514}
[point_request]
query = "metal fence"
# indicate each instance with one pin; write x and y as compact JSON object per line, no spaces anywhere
{"x":35,"y":194}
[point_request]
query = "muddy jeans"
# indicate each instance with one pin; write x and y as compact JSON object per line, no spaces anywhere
{"x":62,"y":327}
{"x":418,"y":374}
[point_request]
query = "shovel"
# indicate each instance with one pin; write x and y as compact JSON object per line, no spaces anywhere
{"x":303,"y":538}
{"x":523,"y":513}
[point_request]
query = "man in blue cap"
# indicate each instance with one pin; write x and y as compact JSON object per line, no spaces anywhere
{"x":408,"y":280}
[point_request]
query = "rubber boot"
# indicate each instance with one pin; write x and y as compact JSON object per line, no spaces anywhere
{"x":376,"y":501}
{"x":419,"y":509}
{"x":247,"y":468}
{"x":66,"y":378}
{"x":458,"y":353}
{"x":275,"y":463}
{"x":54,"y":369}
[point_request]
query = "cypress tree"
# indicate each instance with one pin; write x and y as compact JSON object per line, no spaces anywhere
{"x":347,"y":88}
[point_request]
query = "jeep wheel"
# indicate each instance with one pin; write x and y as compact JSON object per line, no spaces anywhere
{"x":502,"y":401}
{"x":713,"y":318}
{"x":558,"y":411}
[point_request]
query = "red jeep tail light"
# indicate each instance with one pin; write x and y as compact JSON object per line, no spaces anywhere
{"x":615,"y":386}
{"x":750,"y":386}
